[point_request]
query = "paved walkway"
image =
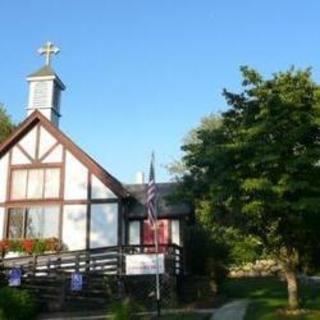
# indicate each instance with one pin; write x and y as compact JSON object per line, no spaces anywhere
{"x":234,"y":310}
{"x":103,"y":315}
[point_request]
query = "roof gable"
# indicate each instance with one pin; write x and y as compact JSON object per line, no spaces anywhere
{"x":33,"y":120}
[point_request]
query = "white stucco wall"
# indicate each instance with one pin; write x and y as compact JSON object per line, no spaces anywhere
{"x":46,"y":141}
{"x":99,"y":190}
{"x":28,"y":143}
{"x":3,"y":178}
{"x":74,"y":226}
{"x":104,"y":225}
{"x":76,"y":179}
{"x":18,"y":157}
{"x":55,"y":155}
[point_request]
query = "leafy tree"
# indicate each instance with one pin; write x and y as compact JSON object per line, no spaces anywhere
{"x":178,"y":167}
{"x":259,"y":170}
{"x":6,"y":125}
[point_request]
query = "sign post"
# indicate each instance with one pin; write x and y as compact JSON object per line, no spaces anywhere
{"x":76,"y":281}
{"x":15,"y":277}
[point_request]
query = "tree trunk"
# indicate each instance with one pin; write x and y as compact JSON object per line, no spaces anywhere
{"x":289,"y":261}
{"x":293,"y":289}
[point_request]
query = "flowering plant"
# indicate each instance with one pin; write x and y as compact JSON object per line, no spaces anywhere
{"x":30,"y":246}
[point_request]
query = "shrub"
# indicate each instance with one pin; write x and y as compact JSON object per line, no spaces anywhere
{"x":16,"y":304}
{"x":205,"y":253}
{"x":126,"y":310}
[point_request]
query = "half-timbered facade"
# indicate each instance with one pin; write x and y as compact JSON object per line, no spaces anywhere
{"x":50,"y":188}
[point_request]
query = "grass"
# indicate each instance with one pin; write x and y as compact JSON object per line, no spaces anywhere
{"x":186,"y":316}
{"x":269,"y":298}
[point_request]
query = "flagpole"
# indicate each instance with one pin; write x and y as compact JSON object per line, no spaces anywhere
{"x":153,"y":220}
{"x":157,"y":267}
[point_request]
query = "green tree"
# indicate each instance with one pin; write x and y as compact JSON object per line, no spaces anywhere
{"x":6,"y":125}
{"x":259,"y":170}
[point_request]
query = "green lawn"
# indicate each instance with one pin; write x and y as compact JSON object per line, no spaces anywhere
{"x":186,"y":316}
{"x":269,"y":297}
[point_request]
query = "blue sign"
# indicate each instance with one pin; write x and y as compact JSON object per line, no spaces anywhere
{"x":76,"y":281}
{"x":15,"y":277}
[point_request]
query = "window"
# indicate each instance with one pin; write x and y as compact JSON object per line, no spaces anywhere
{"x":163,"y":232}
{"x":33,"y":222}
{"x":134,"y":232}
{"x":35,"y":184}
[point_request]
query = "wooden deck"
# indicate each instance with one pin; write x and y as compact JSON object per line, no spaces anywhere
{"x":107,"y":260}
{"x":48,"y":276}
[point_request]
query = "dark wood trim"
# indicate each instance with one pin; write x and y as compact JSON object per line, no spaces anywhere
{"x":8,"y":187}
{"x":21,"y":130}
{"x":37,"y":165}
{"x":60,"y":231}
{"x":24,"y":152}
{"x":27,"y":202}
{"x":37,"y":118}
{"x":63,"y":173}
{"x":37,"y":142}
{"x":126,"y":224}
{"x":49,"y":151}
{"x":119,"y":223}
{"x":161,"y":216}
{"x":9,"y":176}
{"x":88,"y":227}
{"x":170,"y":230}
{"x":110,"y":181}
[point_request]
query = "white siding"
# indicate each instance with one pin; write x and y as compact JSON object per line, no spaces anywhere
{"x":134,"y":232}
{"x":76,"y":179}
{"x":104,"y":225}
{"x":3,"y":178}
{"x":18,"y":157}
{"x":175,"y":232}
{"x":74,"y":226}
{"x":1,"y":222}
{"x":46,"y":141}
{"x":99,"y":190}
{"x":28,"y":143}
{"x":55,"y":155}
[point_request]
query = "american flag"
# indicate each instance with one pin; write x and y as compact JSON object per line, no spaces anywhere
{"x":151,"y":195}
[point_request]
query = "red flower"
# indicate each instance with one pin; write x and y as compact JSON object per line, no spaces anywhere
{"x":28,"y":245}
{"x":4,"y":246}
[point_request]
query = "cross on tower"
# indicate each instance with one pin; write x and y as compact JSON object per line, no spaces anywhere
{"x":48,"y":49}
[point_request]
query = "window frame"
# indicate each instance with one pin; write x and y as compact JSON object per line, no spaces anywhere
{"x":25,"y":210}
{"x":29,"y":168}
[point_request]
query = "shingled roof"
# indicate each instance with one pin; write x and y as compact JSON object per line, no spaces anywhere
{"x":137,"y":207}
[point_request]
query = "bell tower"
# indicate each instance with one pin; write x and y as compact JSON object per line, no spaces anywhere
{"x":45,"y":87}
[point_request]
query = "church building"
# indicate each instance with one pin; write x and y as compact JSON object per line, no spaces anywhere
{"x":51,"y":188}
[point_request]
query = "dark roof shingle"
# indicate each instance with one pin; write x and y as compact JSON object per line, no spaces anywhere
{"x":137,"y":207}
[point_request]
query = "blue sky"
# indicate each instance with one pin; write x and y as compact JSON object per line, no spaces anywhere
{"x":141,"y":73}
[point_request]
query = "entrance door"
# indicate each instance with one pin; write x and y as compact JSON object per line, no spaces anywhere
{"x":163,"y":234}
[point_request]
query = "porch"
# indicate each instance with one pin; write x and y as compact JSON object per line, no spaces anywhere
{"x":107,"y":260}
{"x":48,"y":277}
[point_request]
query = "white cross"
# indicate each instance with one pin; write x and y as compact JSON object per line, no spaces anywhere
{"x":48,"y":49}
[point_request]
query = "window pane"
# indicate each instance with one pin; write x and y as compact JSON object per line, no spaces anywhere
{"x":35,"y":184}
{"x":43,"y":222}
{"x":52,"y":183}
{"x":19,"y":184}
{"x":134,"y":232}
{"x":15,"y":223}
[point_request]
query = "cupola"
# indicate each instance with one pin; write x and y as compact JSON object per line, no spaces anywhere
{"x":45,"y":87}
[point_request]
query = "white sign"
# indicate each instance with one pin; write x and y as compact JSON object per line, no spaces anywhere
{"x":144,"y":264}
